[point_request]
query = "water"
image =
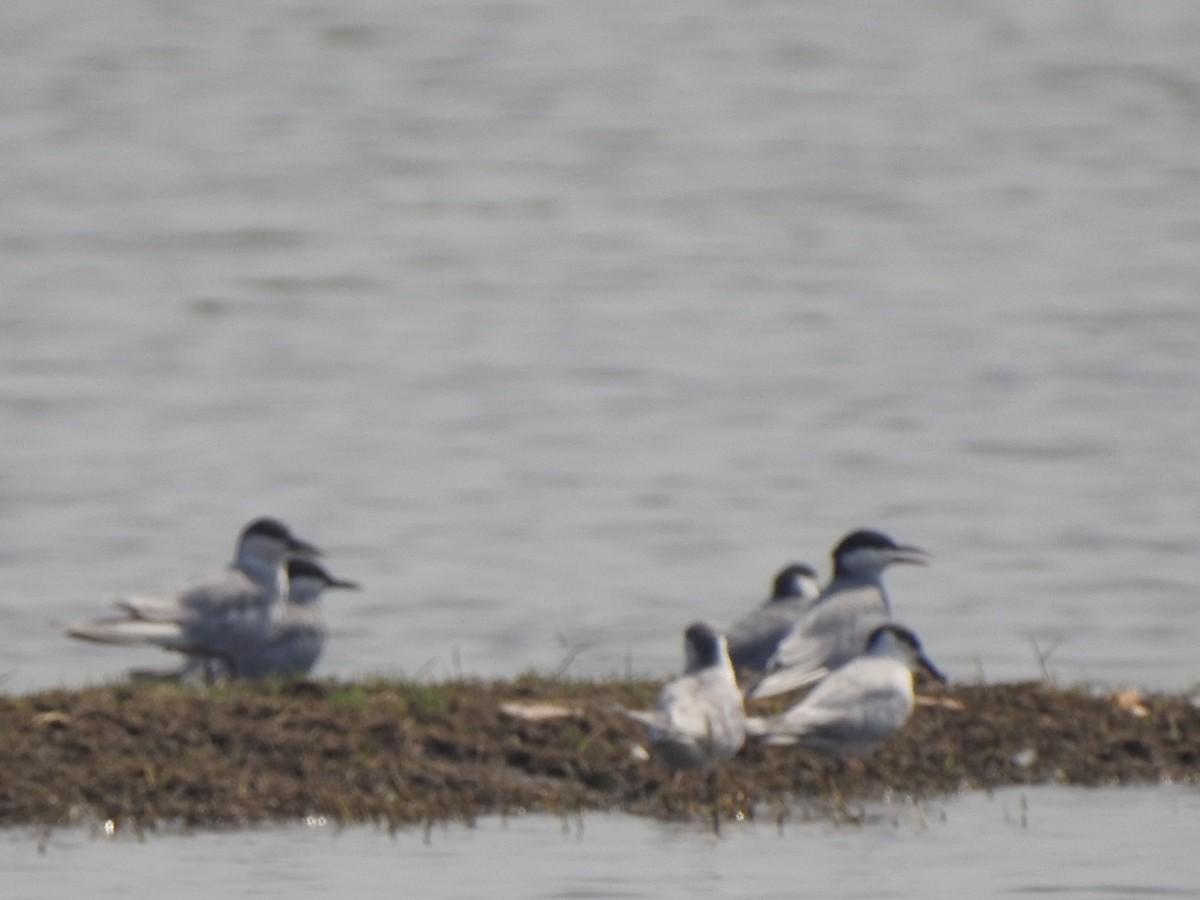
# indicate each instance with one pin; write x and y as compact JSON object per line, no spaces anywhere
{"x":988,"y":845}
{"x":561,"y":327}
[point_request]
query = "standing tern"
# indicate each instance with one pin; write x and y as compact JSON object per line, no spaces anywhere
{"x":860,"y":705}
{"x":699,"y":721}
{"x":218,"y":616}
{"x":851,"y":607}
{"x":754,"y":638}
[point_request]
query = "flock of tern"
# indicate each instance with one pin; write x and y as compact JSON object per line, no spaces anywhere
{"x":840,"y":638}
{"x":260,"y":617}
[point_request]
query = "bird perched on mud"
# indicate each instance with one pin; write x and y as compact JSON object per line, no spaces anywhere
{"x":297,"y":636}
{"x":700,"y":720}
{"x":219,"y":616}
{"x":754,"y":638}
{"x":293,"y":644}
{"x":858,"y":706}
{"x":851,"y":607}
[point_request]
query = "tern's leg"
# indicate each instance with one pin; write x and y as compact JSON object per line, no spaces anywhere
{"x":834,"y":775}
{"x":714,"y":799}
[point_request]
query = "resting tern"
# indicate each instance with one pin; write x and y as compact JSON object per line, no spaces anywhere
{"x":293,"y":644}
{"x":218,"y":616}
{"x":858,"y":706}
{"x":297,"y":636}
{"x":699,"y":721}
{"x":835,"y":629}
{"x":754,"y":638}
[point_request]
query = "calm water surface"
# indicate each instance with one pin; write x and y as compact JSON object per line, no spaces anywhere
{"x":986,"y":846}
{"x":561,"y":327}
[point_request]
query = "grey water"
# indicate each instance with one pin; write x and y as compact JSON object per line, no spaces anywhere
{"x":560,"y":326}
{"x":1051,"y":841}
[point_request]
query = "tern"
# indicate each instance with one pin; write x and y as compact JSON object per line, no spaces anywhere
{"x":754,"y":638}
{"x":218,"y":616}
{"x":292,"y":645}
{"x":297,"y":636}
{"x":860,"y":705}
{"x":851,"y":607}
{"x":699,"y":721}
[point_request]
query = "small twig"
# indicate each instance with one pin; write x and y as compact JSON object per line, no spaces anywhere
{"x":1043,"y":655}
{"x":424,"y":669}
{"x":571,"y":652}
{"x":980,"y":675}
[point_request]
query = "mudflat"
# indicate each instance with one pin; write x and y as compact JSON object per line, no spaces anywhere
{"x":403,"y":753}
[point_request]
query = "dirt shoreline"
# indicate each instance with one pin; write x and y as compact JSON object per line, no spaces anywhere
{"x":400,"y":753}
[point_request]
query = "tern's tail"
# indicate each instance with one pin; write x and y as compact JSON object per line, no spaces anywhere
{"x":129,"y":631}
{"x":651,"y":717}
{"x":763,"y":729}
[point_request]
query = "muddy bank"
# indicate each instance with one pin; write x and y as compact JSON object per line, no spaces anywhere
{"x":402,"y":753}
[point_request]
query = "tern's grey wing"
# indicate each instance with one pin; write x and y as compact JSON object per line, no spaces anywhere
{"x":856,"y":708}
{"x":228,"y":629}
{"x":230,"y":589}
{"x":210,"y":595}
{"x":218,"y":616}
{"x":226,"y":613}
{"x":292,"y":648}
{"x":754,"y":638}
{"x":833,"y":632}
